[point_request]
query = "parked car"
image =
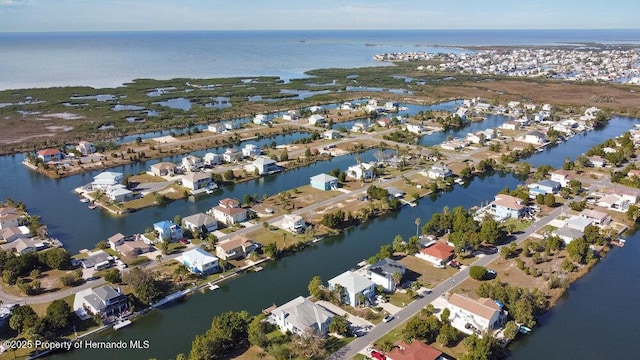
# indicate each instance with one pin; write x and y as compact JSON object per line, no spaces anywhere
{"x":378,"y":355}
{"x":388,"y":318}
{"x":184,"y":241}
{"x":455,"y":264}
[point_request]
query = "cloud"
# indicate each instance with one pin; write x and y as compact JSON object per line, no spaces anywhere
{"x":8,"y":3}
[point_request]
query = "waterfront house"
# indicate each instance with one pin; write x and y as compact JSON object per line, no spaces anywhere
{"x":230,"y":155}
{"x":196,"y":180}
{"x":561,"y":176}
{"x":265,"y":165}
{"x":163,"y":168}
{"x":439,"y":171}
{"x":324,"y":182}
{"x":416,"y":350}
{"x":85,"y":148}
{"x":251,"y":151}
{"x":200,"y":262}
{"x":229,"y":212}
{"x":469,"y":315}
{"x":201,"y":222}
{"x":22,"y":246}
{"x":293,"y":223}
{"x":9,"y":218}
{"x":357,"y":288}
{"x":415,"y":128}
{"x":231,"y":125}
{"x":362,"y":171}
{"x":106,"y":179}
{"x":119,"y":193}
{"x":316,"y":119}
{"x":633,"y":173}
{"x":391,"y":105}
{"x":300,"y":316}
{"x":510,"y":125}
{"x":216,"y":128}
{"x":347,"y":106}
{"x":192,"y":163}
{"x":96,"y":259}
{"x":291,"y":115}
{"x":211,"y":159}
{"x":385,"y":273}
{"x":385,"y":122}
{"x":532,"y":137}
{"x":132,"y":248}
{"x":331,"y":134}
{"x":116,"y":240}
{"x":261,"y":119}
{"x":51,"y":154}
{"x":168,"y":230}
{"x":598,"y":217}
{"x":543,"y":187}
{"x":506,"y":206}
{"x":10,"y":234}
{"x":437,"y":253}
{"x":316,"y":109}
{"x":103,"y":301}
{"x":597,"y":161}
{"x":567,"y":234}
{"x":577,"y":222}
{"x":237,"y":247}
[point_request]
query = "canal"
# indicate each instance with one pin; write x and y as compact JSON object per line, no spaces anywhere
{"x":172,"y":329}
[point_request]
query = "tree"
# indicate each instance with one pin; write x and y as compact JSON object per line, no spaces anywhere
{"x":421,"y":329}
{"x":338,"y":293}
{"x":578,"y":249}
{"x":284,"y":155}
{"x":478,"y":272}
{"x":511,"y":330}
{"x":398,"y":244}
{"x":315,"y":287}
{"x":59,"y":314}
{"x":57,"y":258}
{"x":490,"y":231}
{"x":23,"y":317}
{"x":113,"y":276}
{"x":257,"y":332}
{"x":339,"y":325}
{"x":310,"y":344}
{"x":144,"y":284}
{"x":448,"y":335}
{"x":444,"y":316}
{"x":549,"y":200}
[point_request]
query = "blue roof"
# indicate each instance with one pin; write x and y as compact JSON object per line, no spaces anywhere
{"x":164,"y":224}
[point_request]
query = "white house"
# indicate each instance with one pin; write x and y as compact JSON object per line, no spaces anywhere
{"x":354,"y":285}
{"x":533,"y":137}
{"x":164,"y":168}
{"x":47,"y":155}
{"x":301,"y":315}
{"x":439,"y":171}
{"x":251,"y":151}
{"x":293,"y":223}
{"x":192,"y":163}
{"x":347,"y":106}
{"x":229,"y":212}
{"x":385,"y":273}
{"x":261,"y":119}
{"x":438,"y":253}
{"x":291,"y":115}
{"x":212,"y":159}
{"x":598,"y":217}
{"x":561,"y":176}
{"x":265,"y":165}
{"x":119,"y":193}
{"x":510,"y":125}
{"x":597,"y":161}
{"x":316,"y":119}
{"x":544,"y":187}
{"x":201,"y":222}
{"x":9,"y":218}
{"x":316,"y":109}
{"x":481,"y":315}
{"x":363,"y":171}
{"x":415,"y":128}
{"x":217,"y":128}
{"x":200,"y":262}
{"x":106,"y":179}
{"x":331,"y":134}
{"x":506,"y":206}
{"x":85,"y":148}
{"x":196,"y":181}
{"x":104,"y":300}
{"x":230,"y":155}
{"x":14,"y":233}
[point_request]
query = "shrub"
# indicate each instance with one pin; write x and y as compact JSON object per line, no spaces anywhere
{"x":478,"y":272}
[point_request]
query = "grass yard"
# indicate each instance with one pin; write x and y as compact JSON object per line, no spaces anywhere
{"x":424,"y":272}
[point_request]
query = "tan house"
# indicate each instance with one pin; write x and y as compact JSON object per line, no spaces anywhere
{"x":229,"y":212}
{"x":469,"y":315}
{"x":238,"y":247}
{"x":163,"y":169}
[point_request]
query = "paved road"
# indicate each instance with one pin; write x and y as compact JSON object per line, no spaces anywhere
{"x":413,"y":308}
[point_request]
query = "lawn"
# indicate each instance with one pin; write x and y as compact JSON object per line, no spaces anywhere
{"x":424,"y":272}
{"x":400,"y":299}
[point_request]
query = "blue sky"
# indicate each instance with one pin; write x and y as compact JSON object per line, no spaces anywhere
{"x":108,"y":15}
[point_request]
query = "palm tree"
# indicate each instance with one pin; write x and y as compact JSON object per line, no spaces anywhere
{"x":418,"y":221}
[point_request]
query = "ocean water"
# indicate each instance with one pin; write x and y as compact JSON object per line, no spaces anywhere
{"x":108,"y":59}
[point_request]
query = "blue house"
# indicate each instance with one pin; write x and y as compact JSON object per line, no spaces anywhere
{"x":544,"y":187}
{"x":168,"y":231}
{"x":200,"y":262}
{"x":506,"y":206}
{"x":324,"y":182}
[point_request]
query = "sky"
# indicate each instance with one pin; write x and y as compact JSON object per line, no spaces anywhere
{"x":159,"y":15}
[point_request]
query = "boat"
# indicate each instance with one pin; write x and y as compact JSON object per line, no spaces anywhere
{"x":459,"y":181}
{"x":617,"y":243}
{"x":120,"y":324}
{"x":524,"y":330}
{"x":84,"y":200}
{"x":93,"y":206}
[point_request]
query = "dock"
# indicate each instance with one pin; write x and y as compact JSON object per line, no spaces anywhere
{"x":120,"y":324}
{"x":167,"y":299}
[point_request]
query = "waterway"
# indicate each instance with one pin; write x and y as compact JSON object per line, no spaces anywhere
{"x":172,"y":329}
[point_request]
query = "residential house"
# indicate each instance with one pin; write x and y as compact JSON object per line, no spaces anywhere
{"x":391,"y":105}
{"x":363,"y":171}
{"x":331,"y":134}
{"x":347,"y":106}
{"x":316,"y":109}
{"x":85,"y":148}
{"x":103,"y":301}
{"x":22,"y":246}
{"x":394,"y":192}
{"x":577,"y":222}
{"x":132,"y":248}
{"x":10,"y":234}
{"x":217,"y":128}
{"x":567,"y":234}
{"x":357,"y":288}
{"x":231,"y":125}
{"x":386,"y":273}
{"x":95,"y":259}
{"x":47,"y":155}
{"x":438,"y":253}
{"x":300,"y":316}
{"x":597,"y":161}
{"x":316,"y":119}
{"x":469,"y":315}
{"x":533,"y":137}
{"x":261,"y":119}
{"x":291,"y":115}
{"x":192,"y":163}
{"x":201,"y":222}
{"x":462,"y":113}
{"x":119,"y":193}
{"x":359,"y":127}
{"x":265,"y":165}
{"x":475,"y":138}
{"x":196,"y":180}
{"x":598,"y":217}
{"x":543,"y":187}
{"x":439,"y":171}
{"x":416,"y":350}
{"x":229,"y":212}
{"x":168,"y":230}
{"x":415,"y":128}
{"x":116,"y":240}
{"x":237,"y":247}
{"x":9,"y":218}
{"x":561,"y":176}
{"x":251,"y":151}
{"x":506,"y":206}
{"x":230,"y":155}
{"x":164,"y":168}
{"x":200,"y":262}
{"x":633,"y":173}
{"x":510,"y":125}
{"x":385,"y":122}
{"x":106,"y":179}
{"x":324,"y":182}
{"x":293,"y":223}
{"x":211,"y":159}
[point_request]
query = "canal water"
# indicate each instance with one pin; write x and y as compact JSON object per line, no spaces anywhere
{"x":172,"y":329}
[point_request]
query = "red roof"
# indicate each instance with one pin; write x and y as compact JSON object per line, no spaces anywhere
{"x":49,"y":152}
{"x":439,"y":250}
{"x":417,"y":350}
{"x":229,"y":203}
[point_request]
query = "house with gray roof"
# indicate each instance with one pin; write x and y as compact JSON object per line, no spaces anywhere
{"x":301,"y":315}
{"x":200,"y":221}
{"x":354,"y":285}
{"x":103,"y":301}
{"x":384,"y":272}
